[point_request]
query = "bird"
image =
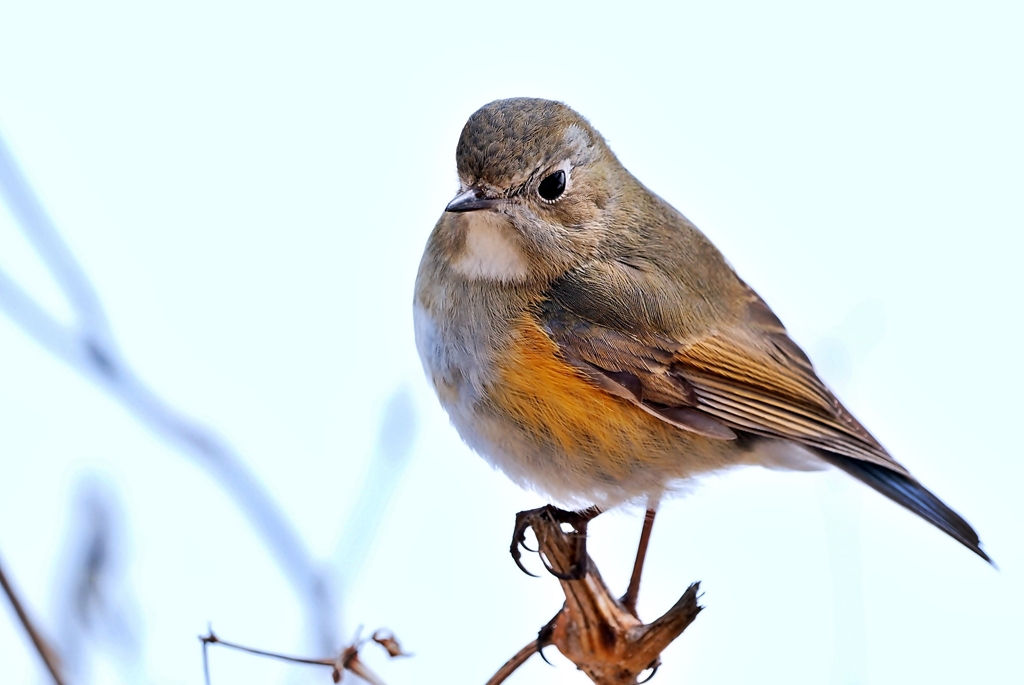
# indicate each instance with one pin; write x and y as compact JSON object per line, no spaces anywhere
{"x":590,"y":342}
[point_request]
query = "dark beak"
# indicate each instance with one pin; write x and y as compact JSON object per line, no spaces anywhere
{"x":472,"y":200}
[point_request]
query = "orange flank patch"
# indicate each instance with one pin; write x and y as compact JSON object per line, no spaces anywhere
{"x":558,"y":405}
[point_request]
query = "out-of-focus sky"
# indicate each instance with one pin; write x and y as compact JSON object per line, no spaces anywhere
{"x":250,"y":188}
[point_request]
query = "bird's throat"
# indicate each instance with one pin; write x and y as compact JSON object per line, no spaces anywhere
{"x":489,"y":251}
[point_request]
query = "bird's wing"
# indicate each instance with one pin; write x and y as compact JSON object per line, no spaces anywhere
{"x":743,"y":373}
{"x":719,"y":373}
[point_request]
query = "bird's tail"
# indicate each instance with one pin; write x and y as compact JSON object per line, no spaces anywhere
{"x":912,"y":495}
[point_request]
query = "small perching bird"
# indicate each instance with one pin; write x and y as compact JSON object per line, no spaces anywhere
{"x":586,"y":339}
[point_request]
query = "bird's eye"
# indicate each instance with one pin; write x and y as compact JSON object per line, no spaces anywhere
{"x":552,"y":187}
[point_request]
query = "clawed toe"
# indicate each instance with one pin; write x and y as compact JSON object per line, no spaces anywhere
{"x":577,"y":519}
{"x":519,"y":539}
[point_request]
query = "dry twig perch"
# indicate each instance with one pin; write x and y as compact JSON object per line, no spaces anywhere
{"x":347,"y":660}
{"x":593,"y":629}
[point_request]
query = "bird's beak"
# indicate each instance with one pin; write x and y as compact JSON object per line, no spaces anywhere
{"x":472,"y":200}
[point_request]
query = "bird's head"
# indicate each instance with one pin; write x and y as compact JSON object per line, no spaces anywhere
{"x":536,"y":184}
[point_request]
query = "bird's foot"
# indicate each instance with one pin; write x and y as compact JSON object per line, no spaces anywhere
{"x":577,"y":519}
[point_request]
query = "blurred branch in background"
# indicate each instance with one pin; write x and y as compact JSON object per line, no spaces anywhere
{"x":390,"y":457}
{"x":93,"y":604}
{"x":89,"y":346}
{"x":46,"y":652}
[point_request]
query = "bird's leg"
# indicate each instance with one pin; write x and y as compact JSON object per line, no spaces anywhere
{"x":577,"y":519}
{"x":633,"y":591}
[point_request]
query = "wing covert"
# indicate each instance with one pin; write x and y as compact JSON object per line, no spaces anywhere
{"x":742,"y":374}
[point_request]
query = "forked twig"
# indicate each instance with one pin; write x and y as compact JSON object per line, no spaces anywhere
{"x":594,"y":630}
{"x":347,"y":660}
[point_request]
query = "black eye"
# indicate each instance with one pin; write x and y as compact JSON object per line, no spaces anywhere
{"x":552,"y":187}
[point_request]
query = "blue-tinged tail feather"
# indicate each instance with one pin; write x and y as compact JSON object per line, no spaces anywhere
{"x":912,"y":495}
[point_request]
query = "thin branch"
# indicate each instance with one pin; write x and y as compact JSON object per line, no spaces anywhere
{"x":90,"y":348}
{"x":45,"y":650}
{"x":40,"y":231}
{"x":94,"y":606}
{"x":212,"y":639}
{"x":347,"y":660}
{"x":206,"y":663}
{"x":514,"y":663}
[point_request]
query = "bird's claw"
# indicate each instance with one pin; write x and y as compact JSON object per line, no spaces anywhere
{"x":519,"y":540}
{"x":655,"y":665}
{"x":577,"y":519}
{"x":544,"y":638}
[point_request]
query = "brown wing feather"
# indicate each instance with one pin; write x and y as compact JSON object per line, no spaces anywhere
{"x":748,"y":375}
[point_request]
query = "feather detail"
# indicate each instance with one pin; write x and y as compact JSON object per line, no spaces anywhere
{"x":908,"y":493}
{"x":739,"y":374}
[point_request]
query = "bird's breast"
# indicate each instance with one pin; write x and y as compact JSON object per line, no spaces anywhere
{"x":554,"y":405}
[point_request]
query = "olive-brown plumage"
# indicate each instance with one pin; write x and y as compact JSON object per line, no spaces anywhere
{"x":589,"y":341}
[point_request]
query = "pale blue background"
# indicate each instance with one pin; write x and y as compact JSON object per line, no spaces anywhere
{"x":250,"y":189}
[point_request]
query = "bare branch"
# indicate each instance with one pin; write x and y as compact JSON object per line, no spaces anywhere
{"x":514,"y":663}
{"x":43,"y":647}
{"x":211,"y":639}
{"x":206,"y":661}
{"x":595,"y":630}
{"x":347,"y":660}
